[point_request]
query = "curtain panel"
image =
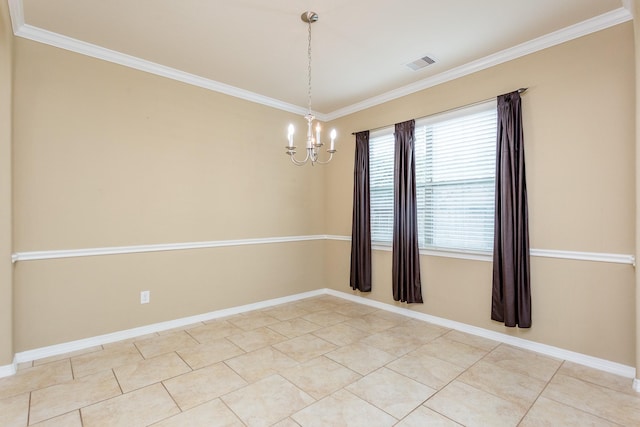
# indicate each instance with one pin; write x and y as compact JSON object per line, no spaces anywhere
{"x":361,"y":223}
{"x":511,"y":292}
{"x":406,"y":255}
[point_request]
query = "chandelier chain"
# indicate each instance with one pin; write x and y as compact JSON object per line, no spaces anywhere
{"x":309,"y":67}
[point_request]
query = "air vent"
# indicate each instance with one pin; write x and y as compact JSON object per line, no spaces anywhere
{"x":419,"y":64}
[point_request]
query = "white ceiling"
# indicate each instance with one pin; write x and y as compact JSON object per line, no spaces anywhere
{"x":257,"y":49}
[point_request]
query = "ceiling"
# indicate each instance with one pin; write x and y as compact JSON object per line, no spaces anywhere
{"x":257,"y":49}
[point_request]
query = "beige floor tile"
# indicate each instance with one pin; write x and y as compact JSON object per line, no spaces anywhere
{"x":524,"y":362}
{"x":294,"y":327}
{"x":214,"y":331}
{"x":472,"y":340}
{"x":419,"y":330}
{"x":360,"y":357}
{"x":405,"y":337}
{"x":150,"y":371}
{"x":520,"y":389}
{"x":267,"y":401}
{"x":287,"y":422}
{"x":258,"y":338}
{"x":130,"y":340}
{"x":498,"y":387}
{"x":14,"y":410}
{"x":320,"y":377}
{"x":106,"y":359}
{"x":428,"y":370}
{"x":320,"y":304}
{"x":138,"y":408}
{"x":197,"y":387}
{"x":472,"y":407}
{"x":35,"y":378}
{"x":451,"y":351}
{"x":185,"y":328}
{"x":619,"y":407}
{"x":252,"y":320}
{"x":24,"y":365}
{"x":595,"y":376}
{"x":345,"y":410}
{"x":305,"y":347}
{"x":546,"y":412}
{"x":62,"y":398}
{"x":210,"y":353}
{"x":340,"y":334}
{"x":70,"y":419}
{"x":210,"y":414}
{"x":390,"y":316}
{"x":424,"y":416}
{"x":393,"y":393}
{"x":373,"y":323}
{"x":286,"y":311}
{"x":260,"y":364}
{"x":354,"y":309}
{"x":50,"y":359}
{"x":393,"y":343}
{"x":156,"y":346}
{"x":325,"y":317}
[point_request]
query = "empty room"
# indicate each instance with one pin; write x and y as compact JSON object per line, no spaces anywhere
{"x":319,"y":213}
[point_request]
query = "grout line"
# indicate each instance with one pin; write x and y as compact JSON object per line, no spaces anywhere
{"x":541,"y":392}
{"x":118,"y":381}
{"x":29,"y":407}
{"x":174,"y":400}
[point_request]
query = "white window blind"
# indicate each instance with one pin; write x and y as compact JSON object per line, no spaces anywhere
{"x":381,"y":149}
{"x":455,"y":180}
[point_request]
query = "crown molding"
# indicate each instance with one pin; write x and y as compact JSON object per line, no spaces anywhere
{"x":628,"y":4}
{"x":21,"y":29}
{"x":584,"y":28}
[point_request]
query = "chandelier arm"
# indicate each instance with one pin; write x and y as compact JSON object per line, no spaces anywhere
{"x":299,"y":162}
{"x":324,"y":162}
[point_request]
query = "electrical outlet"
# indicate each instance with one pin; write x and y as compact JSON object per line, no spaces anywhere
{"x":144,"y":297}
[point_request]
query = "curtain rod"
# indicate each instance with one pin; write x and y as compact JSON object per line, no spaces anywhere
{"x":521,"y":90}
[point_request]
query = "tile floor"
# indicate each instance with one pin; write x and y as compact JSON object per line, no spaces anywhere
{"x":321,"y":361}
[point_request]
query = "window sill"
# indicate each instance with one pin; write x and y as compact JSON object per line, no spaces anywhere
{"x":472,"y":255}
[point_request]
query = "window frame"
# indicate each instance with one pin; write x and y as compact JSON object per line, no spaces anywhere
{"x":386,"y":134}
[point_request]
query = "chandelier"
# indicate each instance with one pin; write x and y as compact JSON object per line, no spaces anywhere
{"x":314,"y":143}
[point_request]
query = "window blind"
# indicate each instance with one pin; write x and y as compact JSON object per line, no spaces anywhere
{"x":455,"y":179}
{"x":381,"y":149}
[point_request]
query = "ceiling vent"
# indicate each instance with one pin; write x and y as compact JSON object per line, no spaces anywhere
{"x":419,"y":64}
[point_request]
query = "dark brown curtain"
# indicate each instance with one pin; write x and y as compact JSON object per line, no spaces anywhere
{"x":406,"y":257}
{"x":511,"y":297}
{"x":361,"y":224}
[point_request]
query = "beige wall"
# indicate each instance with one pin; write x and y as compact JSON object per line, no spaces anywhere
{"x":579,"y":125}
{"x":6,"y":286}
{"x":110,"y":156}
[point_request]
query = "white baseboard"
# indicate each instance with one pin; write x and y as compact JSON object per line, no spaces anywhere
{"x":54,"y":350}
{"x":582,"y":359}
{"x":571,"y":356}
{"x":8,"y":370}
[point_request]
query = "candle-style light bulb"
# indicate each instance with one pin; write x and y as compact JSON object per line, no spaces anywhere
{"x":333,"y":140}
{"x":318,"y":133}
{"x":290,"y":135}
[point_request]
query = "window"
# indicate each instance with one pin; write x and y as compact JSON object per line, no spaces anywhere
{"x":455,"y":175}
